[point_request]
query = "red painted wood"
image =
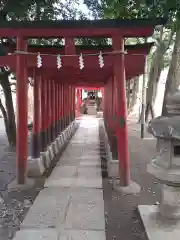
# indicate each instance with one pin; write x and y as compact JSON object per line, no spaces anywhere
{"x":60,"y":106}
{"x":102,"y":103}
{"x":121,"y":118}
{"x":71,"y":105}
{"x":43,"y":104}
{"x":74,"y":109}
{"x":134,"y":67}
{"x":52,"y":110}
{"x":70,"y":74}
{"x":56,"y":109}
{"x":90,"y":62}
{"x":78,"y":103}
{"x":70,"y":49}
{"x":89,"y":88}
{"x":49,"y":110}
{"x":63,"y":107}
{"x":22,"y":102}
{"x":64,"y":104}
{"x":44,"y":124}
{"x":36,"y":118}
{"x":142,"y":48}
{"x":68,"y":104}
{"x":76,"y":32}
{"x":80,"y":96}
{"x":114,"y":104}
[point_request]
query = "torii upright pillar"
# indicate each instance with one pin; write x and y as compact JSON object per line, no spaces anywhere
{"x":121,"y":114}
{"x":44,"y":127}
{"x":70,"y":49}
{"x":22,"y":102}
{"x":36,"y":119}
{"x":78,"y":103}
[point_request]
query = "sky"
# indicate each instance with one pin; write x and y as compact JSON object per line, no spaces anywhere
{"x":83,"y":7}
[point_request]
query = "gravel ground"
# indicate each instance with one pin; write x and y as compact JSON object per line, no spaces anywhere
{"x":122,"y":218}
{"x":13,"y":208}
{"x":14,"y":204}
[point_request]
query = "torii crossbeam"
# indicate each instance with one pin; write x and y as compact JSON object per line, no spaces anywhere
{"x":58,"y":88}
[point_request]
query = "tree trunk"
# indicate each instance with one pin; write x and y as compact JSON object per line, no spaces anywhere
{"x":128,"y":94}
{"x":135,"y":91}
{"x":154,"y":76}
{"x":173,"y":78}
{"x":11,"y":122}
{"x":5,"y":117}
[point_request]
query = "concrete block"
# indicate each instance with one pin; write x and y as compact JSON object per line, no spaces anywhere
{"x":69,"y":131}
{"x":113,"y":168}
{"x":86,"y":195}
{"x":36,"y":167}
{"x":132,"y":189}
{"x":81,"y":235}
{"x":54,"y":148}
{"x":63,"y":171}
{"x":166,"y":175}
{"x":58,"y":143}
{"x":88,"y":183}
{"x":64,"y":137}
{"x":47,"y":159}
{"x":90,"y":164}
{"x":51,"y":153}
{"x":61,"y":141}
{"x":14,"y":186}
{"x":62,"y":182}
{"x":156,"y":226}
{"x":85,"y":216}
{"x":170,"y":202}
{"x":89,"y":172}
{"x":37,"y":234}
{"x":90,"y":158}
{"x":48,"y":210}
{"x":66,"y":133}
{"x":68,"y":161}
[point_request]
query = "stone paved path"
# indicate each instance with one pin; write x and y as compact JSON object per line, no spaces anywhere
{"x":71,"y":205}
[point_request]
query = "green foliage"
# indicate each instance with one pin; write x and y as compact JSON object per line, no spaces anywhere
{"x":38,"y":9}
{"x":130,"y":9}
{"x":24,"y":8}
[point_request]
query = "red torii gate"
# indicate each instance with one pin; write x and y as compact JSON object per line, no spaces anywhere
{"x":136,"y":55}
{"x":57,"y":95}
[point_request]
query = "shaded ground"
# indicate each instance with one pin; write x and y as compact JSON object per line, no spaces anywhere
{"x":7,"y":159}
{"x":15,"y":204}
{"x":122,"y":218}
{"x":13,"y":208}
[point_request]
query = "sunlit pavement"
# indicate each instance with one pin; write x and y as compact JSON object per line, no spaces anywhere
{"x":71,"y":205}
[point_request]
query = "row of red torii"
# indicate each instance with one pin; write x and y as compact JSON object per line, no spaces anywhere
{"x":54,"y":89}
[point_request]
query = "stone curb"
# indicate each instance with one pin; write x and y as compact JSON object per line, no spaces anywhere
{"x":36,"y":167}
{"x":112,"y":164}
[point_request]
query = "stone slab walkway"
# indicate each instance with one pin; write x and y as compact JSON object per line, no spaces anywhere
{"x":71,"y":205}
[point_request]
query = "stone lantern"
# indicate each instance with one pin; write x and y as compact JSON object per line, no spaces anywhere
{"x":166,"y":166}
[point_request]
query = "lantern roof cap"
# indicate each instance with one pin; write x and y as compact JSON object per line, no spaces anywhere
{"x":165,"y":127}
